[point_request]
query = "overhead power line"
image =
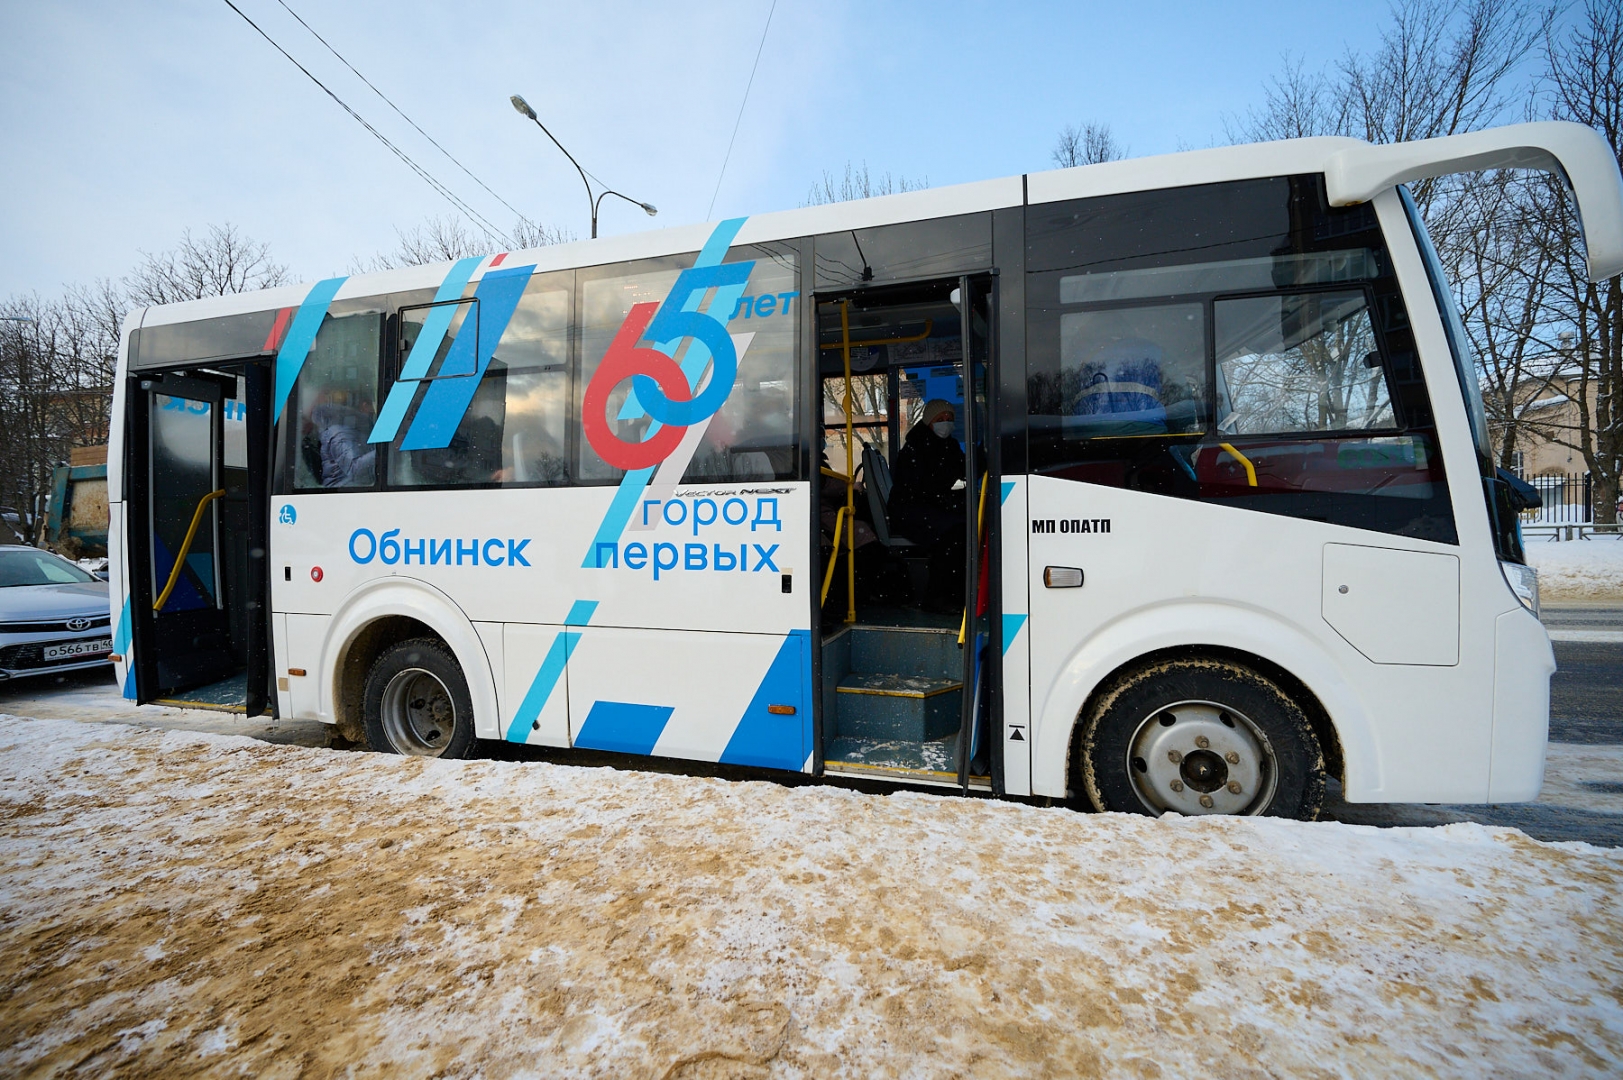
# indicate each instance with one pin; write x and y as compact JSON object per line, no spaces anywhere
{"x":491,"y":232}
{"x":741,"y":105}
{"x":401,"y":112}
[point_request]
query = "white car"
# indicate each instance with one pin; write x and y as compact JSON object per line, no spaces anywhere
{"x":53,"y":616}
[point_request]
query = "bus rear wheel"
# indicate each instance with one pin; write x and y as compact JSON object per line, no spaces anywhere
{"x":416,"y":702}
{"x":1198,"y":736}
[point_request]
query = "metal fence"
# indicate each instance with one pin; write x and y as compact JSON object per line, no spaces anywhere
{"x":1567,"y":500}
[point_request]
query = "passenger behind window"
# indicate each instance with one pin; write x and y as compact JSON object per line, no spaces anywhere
{"x":334,"y":444}
{"x":927,"y":501}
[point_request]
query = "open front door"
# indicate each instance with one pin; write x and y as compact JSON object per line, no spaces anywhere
{"x":196,"y":539}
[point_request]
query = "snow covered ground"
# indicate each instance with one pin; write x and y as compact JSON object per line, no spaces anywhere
{"x":178,"y":903}
{"x":1578,"y":570}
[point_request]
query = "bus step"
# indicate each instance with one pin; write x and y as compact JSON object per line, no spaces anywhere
{"x":910,"y":708}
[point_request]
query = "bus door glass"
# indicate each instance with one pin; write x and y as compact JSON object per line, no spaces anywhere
{"x":182,"y":626}
{"x":908,"y":590}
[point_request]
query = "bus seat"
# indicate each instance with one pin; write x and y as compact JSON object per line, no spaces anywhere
{"x":877,"y":471}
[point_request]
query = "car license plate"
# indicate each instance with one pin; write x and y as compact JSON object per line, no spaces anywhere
{"x":78,"y":648}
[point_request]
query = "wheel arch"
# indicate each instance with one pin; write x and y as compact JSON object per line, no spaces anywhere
{"x":380,"y":613}
{"x":1274,"y":647}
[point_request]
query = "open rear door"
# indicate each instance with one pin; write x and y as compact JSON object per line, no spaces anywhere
{"x":196,"y":539}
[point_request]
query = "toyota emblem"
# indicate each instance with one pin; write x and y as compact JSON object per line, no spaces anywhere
{"x":78,"y":624}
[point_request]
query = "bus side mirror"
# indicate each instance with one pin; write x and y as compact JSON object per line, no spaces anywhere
{"x":1523,"y":496}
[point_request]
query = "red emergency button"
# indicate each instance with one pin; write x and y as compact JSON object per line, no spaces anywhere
{"x":315,"y":573}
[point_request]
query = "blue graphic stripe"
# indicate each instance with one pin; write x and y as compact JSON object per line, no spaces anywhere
{"x":435,"y":326}
{"x":552,"y":669}
{"x":446,"y":401}
{"x":773,"y":741}
{"x":1011,"y":629}
{"x":301,"y":335}
{"x":633,"y":483}
{"x":121,"y":632}
{"x":623,"y":727}
{"x":715,"y":248}
{"x":614,"y":523}
{"x":1008,"y":489}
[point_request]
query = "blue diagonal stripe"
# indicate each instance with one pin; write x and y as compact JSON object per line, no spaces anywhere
{"x":1011,"y":628}
{"x":423,"y":350}
{"x":552,"y":669}
{"x":301,"y":335}
{"x":446,"y":401}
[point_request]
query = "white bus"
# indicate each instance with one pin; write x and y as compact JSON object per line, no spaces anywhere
{"x":1158,"y":485}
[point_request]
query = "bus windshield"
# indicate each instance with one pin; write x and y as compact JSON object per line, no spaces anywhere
{"x":1458,"y":344}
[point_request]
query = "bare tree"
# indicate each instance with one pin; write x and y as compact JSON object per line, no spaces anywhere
{"x":1090,"y":144}
{"x":1584,"y":83}
{"x":1444,"y":67}
{"x":1296,"y":104}
{"x":859,"y":183}
{"x":221,"y":262}
{"x":447,"y":239}
{"x":1490,"y":235}
{"x":56,"y":378}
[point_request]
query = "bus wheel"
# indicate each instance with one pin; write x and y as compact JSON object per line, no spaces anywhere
{"x":1200,"y":737}
{"x":417,"y":702}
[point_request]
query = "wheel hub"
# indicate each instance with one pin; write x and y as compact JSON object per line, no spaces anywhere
{"x":417,"y":713}
{"x":1200,"y":757}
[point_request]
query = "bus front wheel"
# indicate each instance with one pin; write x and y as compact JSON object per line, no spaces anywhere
{"x":417,"y":702}
{"x":1200,"y":736}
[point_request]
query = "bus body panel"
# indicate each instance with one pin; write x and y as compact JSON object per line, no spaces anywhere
{"x":1018,"y":714}
{"x":1524,"y":663}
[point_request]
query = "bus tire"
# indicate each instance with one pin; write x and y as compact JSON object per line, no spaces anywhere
{"x":416,"y":702}
{"x":1199,"y":736}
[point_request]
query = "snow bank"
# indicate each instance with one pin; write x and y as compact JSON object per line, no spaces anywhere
{"x":1578,"y":569}
{"x":183,"y":904}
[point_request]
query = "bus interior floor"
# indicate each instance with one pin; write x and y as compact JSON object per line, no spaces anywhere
{"x":230,"y":694}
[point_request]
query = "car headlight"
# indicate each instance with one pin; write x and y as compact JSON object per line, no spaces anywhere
{"x":1523,"y":581}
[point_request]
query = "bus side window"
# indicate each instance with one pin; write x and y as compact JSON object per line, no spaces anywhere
{"x":1299,"y":362}
{"x":752,"y":435}
{"x":1240,"y":342}
{"x":335,"y":403}
{"x":512,"y":431}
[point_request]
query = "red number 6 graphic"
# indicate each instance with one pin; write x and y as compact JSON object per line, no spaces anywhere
{"x":621,"y":362}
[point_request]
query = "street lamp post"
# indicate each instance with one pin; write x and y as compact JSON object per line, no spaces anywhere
{"x":523,"y":108}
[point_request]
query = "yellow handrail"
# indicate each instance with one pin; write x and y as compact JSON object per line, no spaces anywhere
{"x":1250,"y":469}
{"x":828,"y":575}
{"x":929,"y":326}
{"x":185,"y":548}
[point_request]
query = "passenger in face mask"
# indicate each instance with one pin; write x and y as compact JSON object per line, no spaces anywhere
{"x":924,"y":508}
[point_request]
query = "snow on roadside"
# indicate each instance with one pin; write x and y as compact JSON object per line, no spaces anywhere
{"x":1578,"y":569}
{"x":180,"y":904}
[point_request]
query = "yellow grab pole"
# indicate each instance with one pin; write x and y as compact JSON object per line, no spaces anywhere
{"x":185,"y":548}
{"x":980,"y":524}
{"x":850,"y":473}
{"x":833,"y":560}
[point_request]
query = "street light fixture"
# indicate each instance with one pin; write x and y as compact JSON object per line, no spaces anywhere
{"x":523,"y":109}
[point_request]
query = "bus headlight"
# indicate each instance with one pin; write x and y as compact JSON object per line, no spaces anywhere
{"x":1523,"y":581}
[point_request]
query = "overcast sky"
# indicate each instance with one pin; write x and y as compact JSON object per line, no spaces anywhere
{"x":123,"y":124}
